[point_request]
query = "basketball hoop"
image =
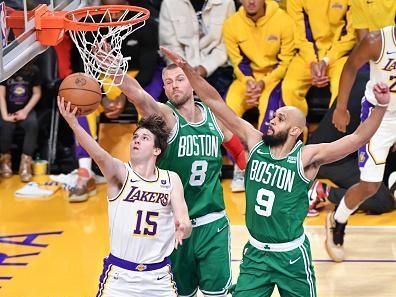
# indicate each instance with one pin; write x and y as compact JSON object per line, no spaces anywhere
{"x":97,"y":31}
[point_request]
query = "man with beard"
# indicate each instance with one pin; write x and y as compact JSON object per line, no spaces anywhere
{"x":194,"y":152}
{"x":279,"y":172}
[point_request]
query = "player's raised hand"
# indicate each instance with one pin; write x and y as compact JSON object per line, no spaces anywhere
{"x":382,"y":94}
{"x":175,"y":58}
{"x":66,"y":112}
{"x":179,"y":234}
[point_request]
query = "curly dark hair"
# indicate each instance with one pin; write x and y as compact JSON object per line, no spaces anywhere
{"x":156,"y":125}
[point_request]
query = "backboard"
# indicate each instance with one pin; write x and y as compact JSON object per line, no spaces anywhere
{"x":20,"y":46}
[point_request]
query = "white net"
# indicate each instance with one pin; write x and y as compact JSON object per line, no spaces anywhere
{"x":100,"y":50}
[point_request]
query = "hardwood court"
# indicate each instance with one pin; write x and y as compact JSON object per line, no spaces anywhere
{"x":51,"y":248}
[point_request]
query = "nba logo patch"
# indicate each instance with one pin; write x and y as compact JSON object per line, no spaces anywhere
{"x":3,"y":25}
{"x":163,"y":181}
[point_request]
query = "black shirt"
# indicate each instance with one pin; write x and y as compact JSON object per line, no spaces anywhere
{"x":19,"y":87}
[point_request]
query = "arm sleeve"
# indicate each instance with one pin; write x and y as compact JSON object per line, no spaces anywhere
{"x":304,"y":45}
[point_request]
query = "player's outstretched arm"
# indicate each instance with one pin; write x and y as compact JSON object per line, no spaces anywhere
{"x":112,"y":168}
{"x":245,"y":131}
{"x":368,"y":49}
{"x":319,"y":154}
{"x":143,"y":101}
{"x":180,"y":211}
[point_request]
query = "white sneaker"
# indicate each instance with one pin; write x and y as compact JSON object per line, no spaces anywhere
{"x":238,"y":181}
{"x":70,"y":180}
{"x":33,"y":190}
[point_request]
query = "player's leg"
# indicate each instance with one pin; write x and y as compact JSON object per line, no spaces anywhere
{"x":156,"y":283}
{"x":270,"y":100}
{"x":212,"y":249}
{"x":296,"y":84}
{"x":185,"y":267}
{"x":334,"y":73}
{"x":254,"y":274}
{"x":295,"y":276}
{"x":372,"y":158}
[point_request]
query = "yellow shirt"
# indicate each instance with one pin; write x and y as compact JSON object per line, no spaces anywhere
{"x":373,"y":14}
{"x":324,"y":28}
{"x":261,"y":49}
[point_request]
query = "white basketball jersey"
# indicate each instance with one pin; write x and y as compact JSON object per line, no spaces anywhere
{"x":142,"y":227}
{"x":384,"y":69}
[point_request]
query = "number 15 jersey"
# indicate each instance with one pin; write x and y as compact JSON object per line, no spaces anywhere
{"x":194,"y":153}
{"x":141,"y":221}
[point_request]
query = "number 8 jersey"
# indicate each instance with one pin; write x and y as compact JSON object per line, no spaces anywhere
{"x":194,"y":152}
{"x":141,"y":222}
{"x":276,"y":195}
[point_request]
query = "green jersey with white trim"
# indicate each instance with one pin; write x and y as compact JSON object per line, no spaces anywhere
{"x":276,"y":195}
{"x":194,"y":152}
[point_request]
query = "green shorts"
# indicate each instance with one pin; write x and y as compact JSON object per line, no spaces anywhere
{"x":291,"y":271}
{"x":203,"y":261}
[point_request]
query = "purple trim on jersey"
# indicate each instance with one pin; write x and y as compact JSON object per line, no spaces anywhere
{"x":103,"y":276}
{"x":244,"y":65}
{"x":137,"y":266}
{"x":80,"y":151}
{"x":308,"y":32}
{"x":275,"y":101}
{"x":156,"y":85}
{"x":363,"y":150}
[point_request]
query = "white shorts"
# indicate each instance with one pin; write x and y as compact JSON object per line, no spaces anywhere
{"x":119,"y":282}
{"x":372,"y":156}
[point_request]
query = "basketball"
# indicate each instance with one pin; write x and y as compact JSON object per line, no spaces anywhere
{"x":82,"y":91}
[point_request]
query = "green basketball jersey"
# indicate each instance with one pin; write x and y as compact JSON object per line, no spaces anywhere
{"x":276,"y":195}
{"x":194,"y":152}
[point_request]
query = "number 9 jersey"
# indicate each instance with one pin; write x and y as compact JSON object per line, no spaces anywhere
{"x":276,"y":195}
{"x":142,"y":226}
{"x":194,"y":152}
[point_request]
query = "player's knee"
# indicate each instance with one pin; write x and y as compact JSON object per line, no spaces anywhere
{"x":370,"y":188}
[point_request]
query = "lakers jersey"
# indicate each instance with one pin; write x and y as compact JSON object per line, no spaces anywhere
{"x":276,"y":195}
{"x":384,"y":69}
{"x":142,"y":227}
{"x":194,"y":152}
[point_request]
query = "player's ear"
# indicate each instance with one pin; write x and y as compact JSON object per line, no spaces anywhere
{"x":295,"y":131}
{"x":157,"y":151}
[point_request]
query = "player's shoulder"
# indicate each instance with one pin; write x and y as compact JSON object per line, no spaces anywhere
{"x":173,"y":176}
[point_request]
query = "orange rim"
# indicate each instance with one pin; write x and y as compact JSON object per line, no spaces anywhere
{"x":73,"y":25}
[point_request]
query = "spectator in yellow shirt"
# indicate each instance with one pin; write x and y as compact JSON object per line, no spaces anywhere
{"x":368,"y":16}
{"x":324,"y":38}
{"x":260,"y":44}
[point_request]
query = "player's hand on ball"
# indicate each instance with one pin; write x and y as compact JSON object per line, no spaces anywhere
{"x":65,"y":110}
{"x":179,"y":234}
{"x":382,"y":93}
